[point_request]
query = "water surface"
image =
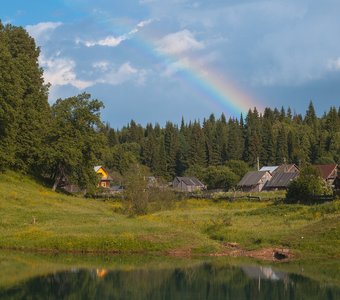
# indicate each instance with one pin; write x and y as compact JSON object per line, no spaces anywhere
{"x":155,"y":279}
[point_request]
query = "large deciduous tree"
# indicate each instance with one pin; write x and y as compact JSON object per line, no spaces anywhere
{"x":76,"y":142}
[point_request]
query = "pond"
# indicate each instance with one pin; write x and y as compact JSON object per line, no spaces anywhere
{"x":33,"y":276}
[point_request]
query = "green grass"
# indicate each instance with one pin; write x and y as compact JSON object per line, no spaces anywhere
{"x":65,"y":223}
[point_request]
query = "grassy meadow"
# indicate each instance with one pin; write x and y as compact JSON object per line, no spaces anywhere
{"x":32,"y":217}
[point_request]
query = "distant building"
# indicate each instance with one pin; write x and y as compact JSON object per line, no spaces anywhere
{"x":269,"y":169}
{"x":329,"y":173}
{"x":284,"y":168}
{"x":287,"y":168}
{"x":254,"y":181}
{"x":105,"y":178}
{"x":188,"y":184}
{"x":280,"y":181}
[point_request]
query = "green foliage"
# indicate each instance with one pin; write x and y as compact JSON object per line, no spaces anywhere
{"x":75,"y":140}
{"x":239,"y":167}
{"x":308,"y":185}
{"x":219,"y":177}
{"x":142,"y":195}
{"x":63,"y":140}
{"x":136,"y":190}
{"x":24,"y":109}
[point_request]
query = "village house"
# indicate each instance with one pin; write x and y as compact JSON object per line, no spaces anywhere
{"x":188,"y":184}
{"x":105,"y":178}
{"x":287,"y":168}
{"x":280,"y":181}
{"x":282,"y":176}
{"x":329,"y":173}
{"x":254,"y":181}
{"x":284,"y":168}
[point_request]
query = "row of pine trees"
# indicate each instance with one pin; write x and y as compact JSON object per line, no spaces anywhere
{"x":274,"y":137}
{"x":68,"y":138}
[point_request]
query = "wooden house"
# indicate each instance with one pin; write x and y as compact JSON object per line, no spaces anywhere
{"x":287,"y":168}
{"x":329,"y":173}
{"x":280,"y":181}
{"x":105,"y":178}
{"x":188,"y":184}
{"x":254,"y":181}
{"x":284,"y":168}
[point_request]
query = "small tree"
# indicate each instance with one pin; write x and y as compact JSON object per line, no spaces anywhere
{"x":308,"y":185}
{"x":136,"y":190}
{"x":220,"y":177}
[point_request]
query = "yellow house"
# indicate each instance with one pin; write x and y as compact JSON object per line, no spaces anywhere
{"x":105,"y":178}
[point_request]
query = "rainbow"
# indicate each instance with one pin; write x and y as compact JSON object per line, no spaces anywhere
{"x":216,"y":88}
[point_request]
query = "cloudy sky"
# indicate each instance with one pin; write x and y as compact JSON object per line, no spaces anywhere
{"x":156,"y":60}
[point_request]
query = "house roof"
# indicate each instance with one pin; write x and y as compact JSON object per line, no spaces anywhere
{"x":286,"y":168}
{"x":326,"y":170}
{"x":190,"y":181}
{"x":96,"y":168}
{"x":252,"y":178}
{"x":269,"y":169}
{"x":281,"y":180}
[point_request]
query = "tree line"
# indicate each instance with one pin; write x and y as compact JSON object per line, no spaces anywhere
{"x":273,"y":137}
{"x":66,"y":139}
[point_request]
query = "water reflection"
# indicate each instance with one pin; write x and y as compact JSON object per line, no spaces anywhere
{"x":205,"y":281}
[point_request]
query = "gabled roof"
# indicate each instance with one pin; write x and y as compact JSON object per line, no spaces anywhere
{"x":190,"y":181}
{"x":96,"y":168}
{"x":269,"y":169}
{"x":281,"y":180}
{"x":252,"y":178}
{"x":326,"y":170}
{"x":286,"y":168}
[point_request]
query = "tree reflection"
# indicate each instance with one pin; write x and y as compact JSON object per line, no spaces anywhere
{"x":206,"y":281}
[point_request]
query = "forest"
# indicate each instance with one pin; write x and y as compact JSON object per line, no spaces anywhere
{"x":68,"y":138}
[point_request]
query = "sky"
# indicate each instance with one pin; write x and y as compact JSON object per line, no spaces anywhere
{"x":158,"y":60}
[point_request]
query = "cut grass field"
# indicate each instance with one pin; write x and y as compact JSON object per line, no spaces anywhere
{"x":34,"y":218}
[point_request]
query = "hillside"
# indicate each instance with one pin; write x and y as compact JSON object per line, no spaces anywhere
{"x":71,"y":224}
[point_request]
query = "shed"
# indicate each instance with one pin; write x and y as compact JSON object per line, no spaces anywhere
{"x":188,"y":184}
{"x":254,"y":181}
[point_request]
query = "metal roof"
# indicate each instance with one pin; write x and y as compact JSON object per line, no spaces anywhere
{"x":270,"y":169}
{"x":96,"y":168}
{"x":252,"y":178}
{"x":281,"y":180}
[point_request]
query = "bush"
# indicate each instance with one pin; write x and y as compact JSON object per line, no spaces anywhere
{"x":220,"y":177}
{"x":308,"y":185}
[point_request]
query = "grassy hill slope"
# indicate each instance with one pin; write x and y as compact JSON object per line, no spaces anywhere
{"x":65,"y":223}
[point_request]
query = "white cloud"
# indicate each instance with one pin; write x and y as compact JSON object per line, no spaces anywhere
{"x":111,"y":41}
{"x":101,"y":65}
{"x":41,"y":30}
{"x":334,"y":64}
{"x":179,"y":42}
{"x":124,"y":73}
{"x":60,"y":71}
